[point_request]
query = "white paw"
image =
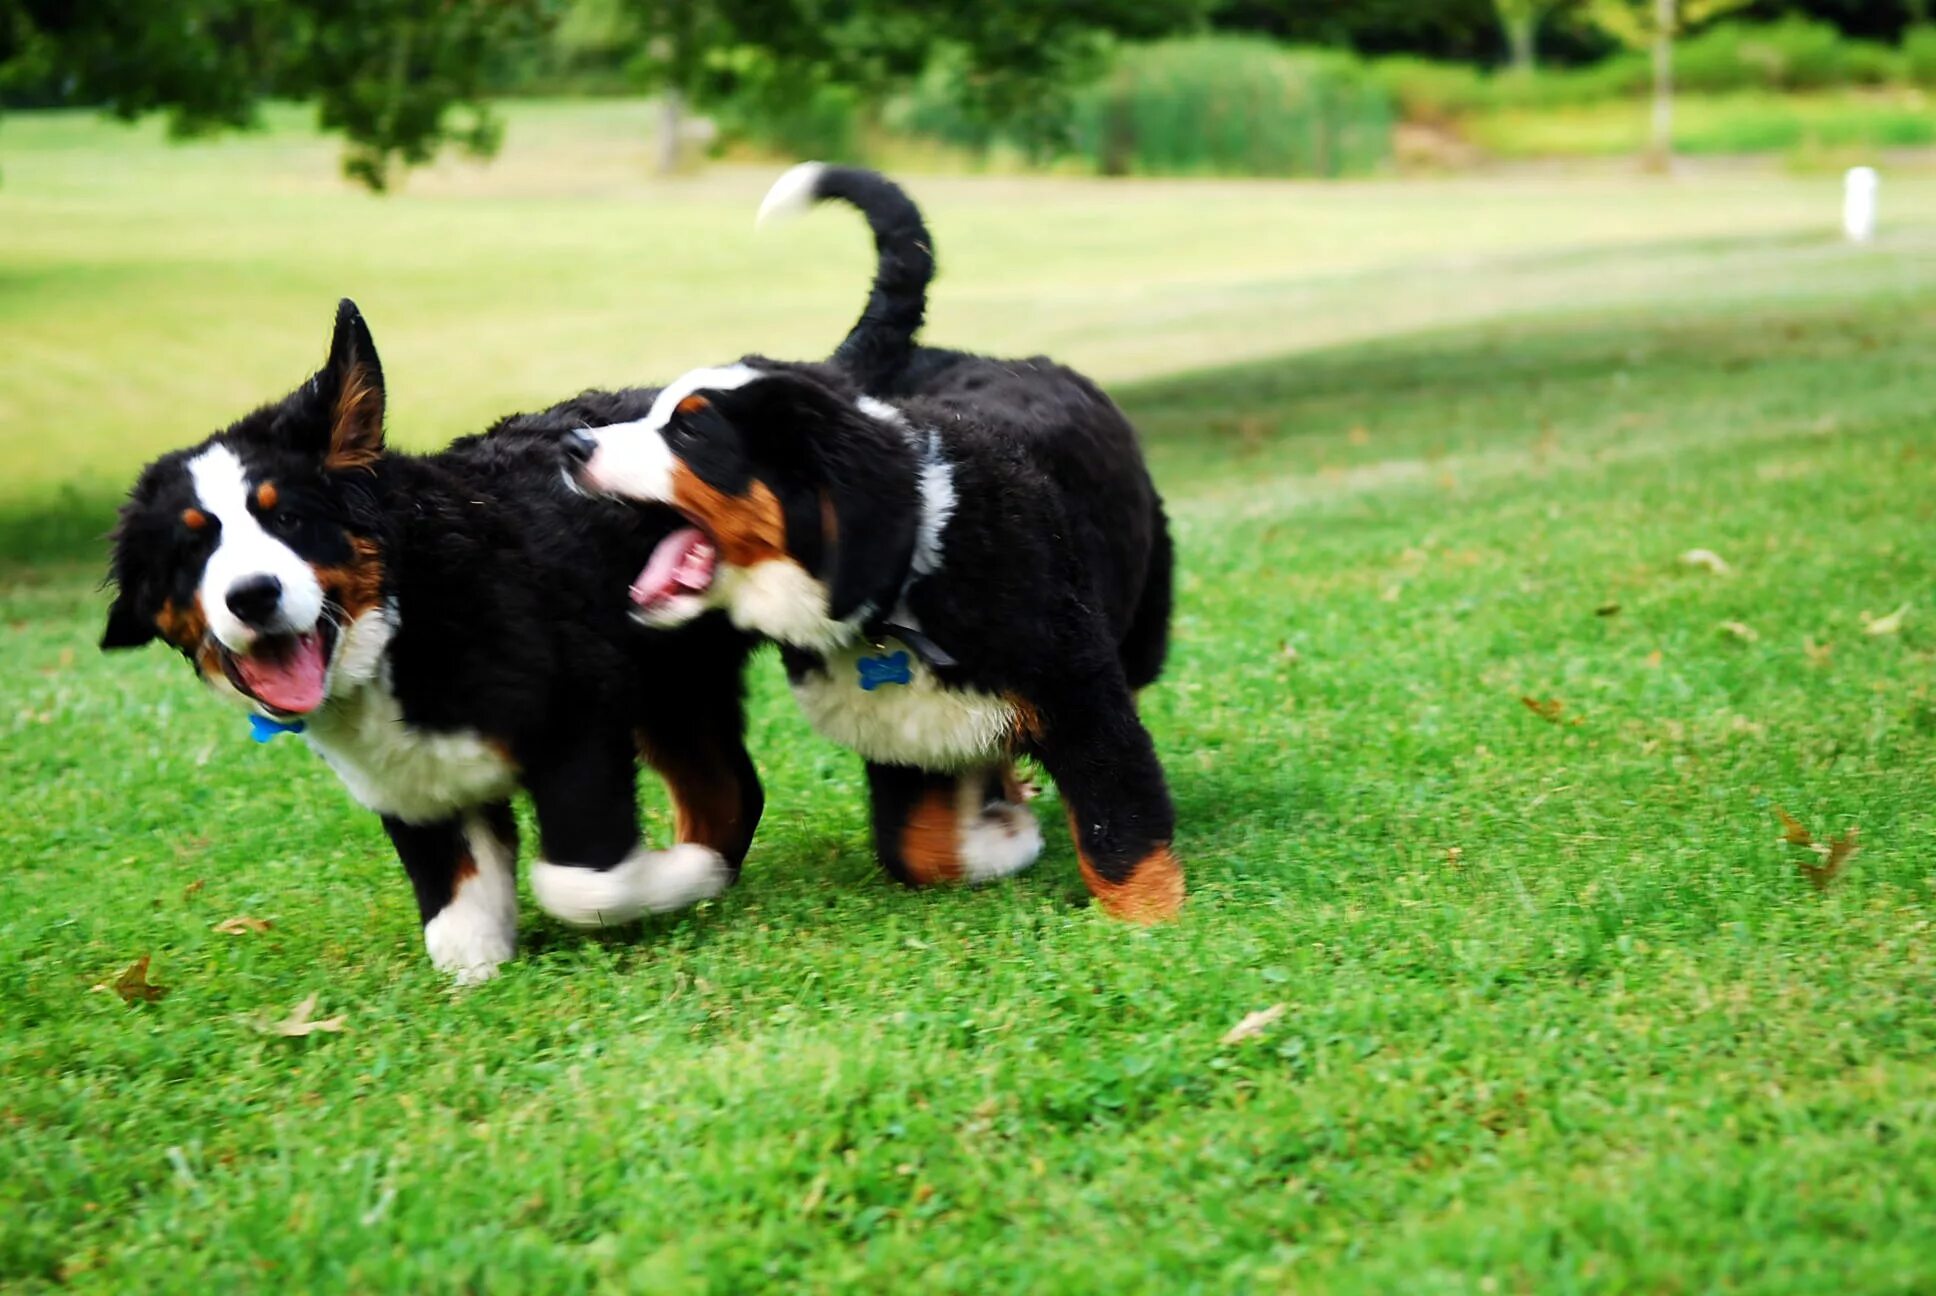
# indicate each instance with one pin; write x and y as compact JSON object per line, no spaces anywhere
{"x":1000,"y":840}
{"x":471,"y":941}
{"x":643,"y":882}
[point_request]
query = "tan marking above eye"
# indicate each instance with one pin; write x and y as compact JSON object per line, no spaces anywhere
{"x":265,"y":496}
{"x":692,"y":405}
{"x":194,"y":519}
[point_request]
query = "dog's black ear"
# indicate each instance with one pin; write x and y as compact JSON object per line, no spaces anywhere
{"x":869,"y":473}
{"x":126,"y":627}
{"x":350,"y":388}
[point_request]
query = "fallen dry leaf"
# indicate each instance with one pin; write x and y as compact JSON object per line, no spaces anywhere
{"x":1832,"y":855}
{"x":193,"y":888}
{"x":1817,"y":654}
{"x":1252,"y":1024}
{"x":1360,"y":435}
{"x":1653,"y":660}
{"x":1835,"y":854}
{"x":1453,"y":854}
{"x":1887,"y":625}
{"x":298,"y":1022}
{"x":133,"y":984}
{"x":1707,"y":558}
{"x":1793,"y":830}
{"x":1741,"y":630}
{"x":1548,"y":710}
{"x":242,"y":923}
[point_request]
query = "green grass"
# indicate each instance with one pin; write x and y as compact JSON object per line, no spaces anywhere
{"x":1561,"y":1013}
{"x":1751,"y":121}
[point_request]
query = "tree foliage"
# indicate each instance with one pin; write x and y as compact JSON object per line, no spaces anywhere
{"x":399,"y":79}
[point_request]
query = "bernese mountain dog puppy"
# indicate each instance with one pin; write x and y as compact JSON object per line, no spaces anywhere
{"x":977,"y":566}
{"x":442,"y":631}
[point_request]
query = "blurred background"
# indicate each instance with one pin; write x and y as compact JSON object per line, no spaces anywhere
{"x":532,"y":196}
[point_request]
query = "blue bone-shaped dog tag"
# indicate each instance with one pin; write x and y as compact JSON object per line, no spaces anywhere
{"x":262,"y":729}
{"x":893,"y":668}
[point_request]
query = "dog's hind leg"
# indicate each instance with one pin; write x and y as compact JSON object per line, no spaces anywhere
{"x":464,"y":874}
{"x":596,"y":872}
{"x":965,"y":826}
{"x":1086,"y":732}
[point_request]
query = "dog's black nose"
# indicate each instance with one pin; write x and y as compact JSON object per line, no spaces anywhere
{"x":579,"y":446}
{"x":255,"y":598}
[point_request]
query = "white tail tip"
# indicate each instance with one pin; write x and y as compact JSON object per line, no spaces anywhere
{"x":791,"y":194}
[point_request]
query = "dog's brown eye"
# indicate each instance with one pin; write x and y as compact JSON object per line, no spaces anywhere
{"x":194,"y":519}
{"x":265,"y":496}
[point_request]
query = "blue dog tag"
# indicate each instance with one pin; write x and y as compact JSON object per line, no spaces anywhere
{"x":893,"y":668}
{"x":262,"y":729}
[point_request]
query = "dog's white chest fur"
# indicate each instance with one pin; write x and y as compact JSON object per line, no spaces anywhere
{"x":417,"y":775}
{"x":921,"y":723}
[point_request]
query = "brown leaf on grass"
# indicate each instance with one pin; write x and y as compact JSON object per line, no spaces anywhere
{"x":1832,"y":856}
{"x":1360,"y":435}
{"x":1886,"y":625}
{"x":1817,"y":654}
{"x":1253,"y":1024}
{"x":1708,"y":559}
{"x":133,"y":984}
{"x":299,"y":1022}
{"x":1793,"y":830}
{"x":242,"y":923}
{"x":1550,"y":709}
{"x":1653,"y":660}
{"x":193,"y":889}
{"x":1835,"y":854}
{"x":1741,"y":630}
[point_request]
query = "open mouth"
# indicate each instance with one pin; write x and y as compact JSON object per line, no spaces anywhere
{"x":285,"y":673}
{"x":682,"y":565}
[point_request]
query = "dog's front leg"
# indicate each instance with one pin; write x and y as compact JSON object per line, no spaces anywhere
{"x":464,"y":874}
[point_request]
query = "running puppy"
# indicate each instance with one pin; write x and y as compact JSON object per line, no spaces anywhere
{"x":439,"y":629}
{"x":977,"y":568}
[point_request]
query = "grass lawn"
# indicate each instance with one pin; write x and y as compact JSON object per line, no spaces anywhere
{"x":1823,"y":128}
{"x":1477,"y":777}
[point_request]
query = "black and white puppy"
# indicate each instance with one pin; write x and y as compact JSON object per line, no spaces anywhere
{"x":440,"y":629}
{"x":977,"y":568}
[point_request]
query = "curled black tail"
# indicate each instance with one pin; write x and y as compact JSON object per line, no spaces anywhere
{"x":878,"y":347}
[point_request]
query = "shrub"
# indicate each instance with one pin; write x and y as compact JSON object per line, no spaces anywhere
{"x":1228,"y":105}
{"x":1919,"y":55}
{"x":1793,"y":54}
{"x":1433,"y":93}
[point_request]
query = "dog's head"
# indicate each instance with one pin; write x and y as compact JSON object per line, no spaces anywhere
{"x":246,"y":552}
{"x":802,"y":499}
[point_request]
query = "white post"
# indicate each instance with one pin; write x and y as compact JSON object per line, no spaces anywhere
{"x":1859,"y":204}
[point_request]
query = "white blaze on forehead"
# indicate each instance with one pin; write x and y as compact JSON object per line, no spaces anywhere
{"x":723,"y":378}
{"x":632,"y":459}
{"x":244,"y":549}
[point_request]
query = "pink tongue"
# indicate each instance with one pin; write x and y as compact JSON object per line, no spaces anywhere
{"x":682,"y":564}
{"x":289,"y":677}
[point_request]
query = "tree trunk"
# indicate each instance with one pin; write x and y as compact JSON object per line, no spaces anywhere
{"x":1522,"y":36}
{"x":1660,"y":150}
{"x":670,"y":145}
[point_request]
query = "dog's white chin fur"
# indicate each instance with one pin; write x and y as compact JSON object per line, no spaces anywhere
{"x":778,"y":598}
{"x":646,"y":881}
